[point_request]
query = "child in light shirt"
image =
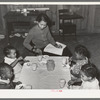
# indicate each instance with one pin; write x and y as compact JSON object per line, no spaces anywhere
{"x":11,"y":59}
{"x":89,"y":77}
{"x":6,"y":77}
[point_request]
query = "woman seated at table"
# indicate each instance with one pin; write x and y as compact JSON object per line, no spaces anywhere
{"x":39,"y":37}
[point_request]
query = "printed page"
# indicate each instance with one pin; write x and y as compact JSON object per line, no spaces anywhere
{"x":52,"y":49}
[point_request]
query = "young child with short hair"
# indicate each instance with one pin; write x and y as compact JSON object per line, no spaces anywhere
{"x":89,"y":76}
{"x":6,"y":77}
{"x":82,"y":57}
{"x":11,"y":59}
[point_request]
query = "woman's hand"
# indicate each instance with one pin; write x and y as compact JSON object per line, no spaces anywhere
{"x":58,"y":46}
{"x":39,"y":51}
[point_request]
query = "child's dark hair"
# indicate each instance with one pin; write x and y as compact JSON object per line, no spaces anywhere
{"x":43,"y":17}
{"x":80,"y":49}
{"x":8,"y":49}
{"x":90,"y":70}
{"x":3,"y":68}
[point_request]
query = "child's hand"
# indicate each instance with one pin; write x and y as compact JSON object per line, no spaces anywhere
{"x":26,"y":61}
{"x":20,"y":58}
{"x":17,"y":83}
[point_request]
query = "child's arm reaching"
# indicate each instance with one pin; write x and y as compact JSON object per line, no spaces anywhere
{"x":16,"y":83}
{"x":77,"y":81}
{"x":16,"y":61}
{"x":23,"y":61}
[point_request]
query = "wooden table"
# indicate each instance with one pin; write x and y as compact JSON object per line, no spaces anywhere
{"x":42,"y":78}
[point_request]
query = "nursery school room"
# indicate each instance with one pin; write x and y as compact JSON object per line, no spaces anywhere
{"x":49,"y":46}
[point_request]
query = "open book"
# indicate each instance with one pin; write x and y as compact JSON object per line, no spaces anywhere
{"x":52,"y":49}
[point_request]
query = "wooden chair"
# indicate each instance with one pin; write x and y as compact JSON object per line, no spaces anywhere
{"x":66,"y":23}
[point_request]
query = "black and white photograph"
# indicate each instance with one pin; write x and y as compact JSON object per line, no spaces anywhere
{"x":49,"y":46}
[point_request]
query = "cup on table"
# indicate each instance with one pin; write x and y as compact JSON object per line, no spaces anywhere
{"x":29,"y":64}
{"x":62,"y":83}
{"x":65,"y":61}
{"x":46,"y":57}
{"x":39,"y":58}
{"x":34,"y":66}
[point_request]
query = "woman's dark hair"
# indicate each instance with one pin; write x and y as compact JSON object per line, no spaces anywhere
{"x":90,"y":70}
{"x":43,"y":17}
{"x":80,"y":49}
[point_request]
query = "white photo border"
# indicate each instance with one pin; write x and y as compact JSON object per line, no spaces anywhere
{"x":4,"y":94}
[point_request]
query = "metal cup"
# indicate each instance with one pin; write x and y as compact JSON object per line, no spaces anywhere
{"x":39,"y":58}
{"x":62,"y":83}
{"x":34,"y":66}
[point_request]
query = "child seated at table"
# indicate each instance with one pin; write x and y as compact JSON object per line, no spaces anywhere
{"x":82,"y":57}
{"x":89,"y":74}
{"x":11,"y":59}
{"x":6,"y":77}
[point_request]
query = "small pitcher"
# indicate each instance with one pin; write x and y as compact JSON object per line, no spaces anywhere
{"x":50,"y":65}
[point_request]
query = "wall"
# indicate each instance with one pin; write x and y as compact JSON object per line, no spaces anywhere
{"x":52,"y":13}
{"x":90,"y":13}
{"x":3,"y":11}
{"x":96,"y":19}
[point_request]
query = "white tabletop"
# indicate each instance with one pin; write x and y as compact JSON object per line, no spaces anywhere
{"x":42,"y":78}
